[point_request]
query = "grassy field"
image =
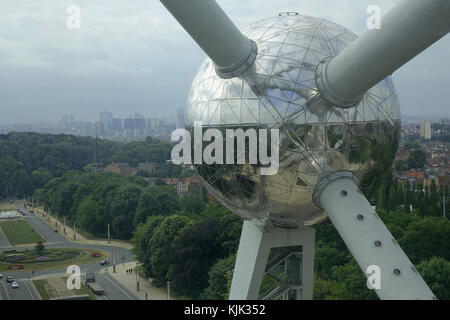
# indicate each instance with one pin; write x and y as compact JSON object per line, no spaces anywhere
{"x":20,"y":232}
{"x":83,"y":258}
{"x":46,"y":291}
{"x":82,"y":290}
{"x":5,"y":206}
{"x":41,"y":287}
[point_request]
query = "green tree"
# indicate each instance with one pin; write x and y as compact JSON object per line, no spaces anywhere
{"x":89,"y":216}
{"x":123,"y":209}
{"x":21,"y":183}
{"x":416,"y":159}
{"x":161,"y":245}
{"x":41,"y":177}
{"x":218,"y":279}
{"x":326,"y":257}
{"x":426,"y":238}
{"x":192,"y":204}
{"x":39,"y":248}
{"x":351,"y":283}
{"x":436,"y":273}
{"x":193,"y":254}
{"x":393,"y":198}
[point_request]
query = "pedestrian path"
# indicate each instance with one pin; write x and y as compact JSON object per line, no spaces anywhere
{"x":129,"y":280}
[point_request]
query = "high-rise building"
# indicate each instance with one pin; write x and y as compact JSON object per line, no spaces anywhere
{"x":444,"y":121}
{"x":128,"y":123}
{"x":67,"y":121}
{"x":153,"y":123}
{"x":180,"y":119}
{"x":425,"y":130}
{"x":139,"y":122}
{"x":116,"y":124}
{"x":106,"y":117}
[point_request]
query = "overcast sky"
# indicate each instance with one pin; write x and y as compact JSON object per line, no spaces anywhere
{"x":132,"y":56}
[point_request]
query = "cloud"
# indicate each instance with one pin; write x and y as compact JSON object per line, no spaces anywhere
{"x":133,"y":56}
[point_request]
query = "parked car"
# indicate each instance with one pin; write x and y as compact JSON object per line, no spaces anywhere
{"x":1,"y":276}
{"x":10,"y":279}
{"x":14,"y":285}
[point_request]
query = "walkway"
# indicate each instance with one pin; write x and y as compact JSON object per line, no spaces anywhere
{"x":129,"y":281}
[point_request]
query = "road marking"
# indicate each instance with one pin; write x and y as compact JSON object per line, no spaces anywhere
{"x":29,"y":290}
{"x":117,"y":287}
{"x":6,"y":291}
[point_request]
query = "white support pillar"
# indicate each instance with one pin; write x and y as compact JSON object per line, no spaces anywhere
{"x":368,"y":239}
{"x":257,"y":239}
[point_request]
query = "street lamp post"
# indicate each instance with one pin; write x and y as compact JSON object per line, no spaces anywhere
{"x":109,"y":235}
{"x":168,"y":290}
{"x":443,"y":206}
{"x":114,"y":261}
{"x":137,"y":275}
{"x":74,"y":232}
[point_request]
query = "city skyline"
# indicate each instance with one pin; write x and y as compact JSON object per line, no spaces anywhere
{"x":136,"y":57}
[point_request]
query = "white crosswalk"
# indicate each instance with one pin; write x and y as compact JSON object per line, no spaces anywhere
{"x":24,"y":279}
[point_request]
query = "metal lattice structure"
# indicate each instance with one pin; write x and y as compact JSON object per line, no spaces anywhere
{"x":316,"y":138}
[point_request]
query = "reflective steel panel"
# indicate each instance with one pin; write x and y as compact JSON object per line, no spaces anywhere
{"x":316,"y":138}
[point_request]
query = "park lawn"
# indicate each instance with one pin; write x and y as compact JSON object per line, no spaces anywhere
{"x":41,"y":287}
{"x":84,"y":258}
{"x":20,"y":232}
{"x":5,"y":206}
{"x":47,"y":292}
{"x":82,"y":290}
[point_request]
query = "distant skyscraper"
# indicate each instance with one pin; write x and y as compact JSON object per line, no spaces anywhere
{"x":67,"y":121}
{"x":180,"y":119}
{"x":106,"y":117}
{"x":425,"y":130}
{"x":139,"y":122}
{"x":444,"y":121}
{"x":128,"y":123}
{"x":153,"y":123}
{"x":116,"y":124}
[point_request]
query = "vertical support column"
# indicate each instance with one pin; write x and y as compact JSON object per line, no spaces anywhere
{"x":308,"y":265}
{"x":250,"y":264}
{"x":257,"y":239}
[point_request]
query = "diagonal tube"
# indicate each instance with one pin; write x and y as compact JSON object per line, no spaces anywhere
{"x":216,"y":34}
{"x":368,"y":239}
{"x":406,"y":30}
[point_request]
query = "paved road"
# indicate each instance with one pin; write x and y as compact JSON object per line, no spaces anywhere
{"x":26,"y":290}
{"x":4,"y":243}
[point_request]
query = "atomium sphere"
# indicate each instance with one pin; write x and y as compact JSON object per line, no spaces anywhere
{"x":316,"y":138}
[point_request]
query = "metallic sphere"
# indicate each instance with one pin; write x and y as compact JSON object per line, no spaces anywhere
{"x":316,"y":138}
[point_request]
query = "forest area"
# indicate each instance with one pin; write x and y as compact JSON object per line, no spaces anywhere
{"x":192,"y":240}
